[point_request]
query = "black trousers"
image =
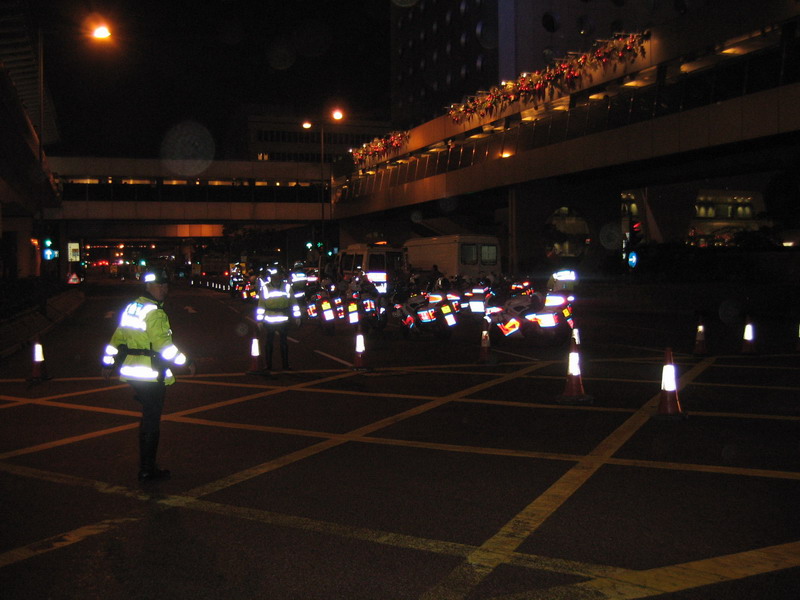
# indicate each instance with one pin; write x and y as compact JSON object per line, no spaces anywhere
{"x":268,"y":333}
{"x":150,"y":394}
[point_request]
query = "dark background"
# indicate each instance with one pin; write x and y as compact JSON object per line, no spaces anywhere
{"x":173,"y":61}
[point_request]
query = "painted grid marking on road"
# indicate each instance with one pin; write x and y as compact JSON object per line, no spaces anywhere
{"x":497,"y":549}
{"x":516,"y":558}
{"x":236,"y":478}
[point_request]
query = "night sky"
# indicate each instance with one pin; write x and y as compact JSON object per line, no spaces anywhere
{"x":174,"y":62}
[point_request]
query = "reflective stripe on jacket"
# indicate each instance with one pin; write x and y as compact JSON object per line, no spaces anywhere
{"x":276,"y":304}
{"x":146,"y":338}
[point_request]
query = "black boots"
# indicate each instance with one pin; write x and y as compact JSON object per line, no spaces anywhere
{"x":148,"y":446}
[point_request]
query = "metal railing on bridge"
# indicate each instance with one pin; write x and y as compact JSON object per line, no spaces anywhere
{"x":734,"y":77}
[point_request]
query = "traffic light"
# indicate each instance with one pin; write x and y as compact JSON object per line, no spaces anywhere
{"x":635,"y":238}
{"x":48,"y":252}
{"x":636,"y":235}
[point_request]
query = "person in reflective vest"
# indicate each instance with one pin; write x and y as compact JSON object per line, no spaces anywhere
{"x":277,"y":307}
{"x":141,"y":351}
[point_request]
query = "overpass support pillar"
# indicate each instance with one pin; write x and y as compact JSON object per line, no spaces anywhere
{"x":531,"y":208}
{"x":528,"y":211}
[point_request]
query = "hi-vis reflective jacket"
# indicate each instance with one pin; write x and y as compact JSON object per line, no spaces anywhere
{"x":141,"y":346}
{"x":276,"y":304}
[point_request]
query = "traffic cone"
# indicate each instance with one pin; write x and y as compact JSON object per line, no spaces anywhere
{"x":256,"y":358}
{"x":39,"y":369}
{"x":700,"y":348}
{"x":749,"y":338}
{"x":573,"y":389}
{"x":576,"y":337}
{"x":669,"y":406}
{"x":358,"y":359}
{"x":486,"y":343}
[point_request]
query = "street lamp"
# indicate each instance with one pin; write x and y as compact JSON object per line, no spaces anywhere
{"x":98,"y":30}
{"x":335,"y":115}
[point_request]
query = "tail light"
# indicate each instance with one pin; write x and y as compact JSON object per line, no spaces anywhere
{"x":427,"y":316}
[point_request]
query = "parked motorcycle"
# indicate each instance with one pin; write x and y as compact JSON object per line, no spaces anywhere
{"x":523,"y":312}
{"x":365,"y":304}
{"x":422,"y":313}
{"x":325,"y":306}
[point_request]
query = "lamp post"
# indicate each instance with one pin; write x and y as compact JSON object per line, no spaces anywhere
{"x":98,"y":31}
{"x":335,"y":115}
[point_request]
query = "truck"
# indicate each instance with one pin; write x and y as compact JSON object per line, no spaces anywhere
{"x":466,"y":255}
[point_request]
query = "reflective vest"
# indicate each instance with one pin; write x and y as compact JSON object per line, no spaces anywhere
{"x":276,"y":304}
{"x":141,"y":347}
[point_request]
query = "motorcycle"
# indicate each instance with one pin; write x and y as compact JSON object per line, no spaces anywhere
{"x":324,"y":306}
{"x":365,"y":304}
{"x":425,"y":312}
{"x":474,"y":297}
{"x":523,"y":312}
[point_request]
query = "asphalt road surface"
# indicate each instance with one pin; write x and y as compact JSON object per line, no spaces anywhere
{"x":437,"y":472}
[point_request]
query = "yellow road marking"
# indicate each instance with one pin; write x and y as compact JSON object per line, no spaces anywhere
{"x":236,"y":478}
{"x":484,"y":450}
{"x":59,"y":541}
{"x":66,"y":441}
{"x":601,"y":572}
{"x":386,"y":538}
{"x":608,"y":581}
{"x":83,"y":407}
{"x":632,"y":585}
{"x":497,"y":549}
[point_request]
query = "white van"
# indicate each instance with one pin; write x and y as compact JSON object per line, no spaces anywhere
{"x":380,"y":262}
{"x":467,"y":255}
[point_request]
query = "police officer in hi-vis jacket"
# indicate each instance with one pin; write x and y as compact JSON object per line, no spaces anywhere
{"x":276,"y":307}
{"x":142,"y":352}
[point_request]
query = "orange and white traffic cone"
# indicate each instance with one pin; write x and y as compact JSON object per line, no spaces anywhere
{"x":486,"y":343}
{"x":749,"y":337}
{"x":256,"y":358}
{"x":700,"y":348}
{"x":669,"y":406}
{"x":358,"y":359}
{"x":39,"y":369}
{"x":576,"y":337}
{"x":573,"y":389}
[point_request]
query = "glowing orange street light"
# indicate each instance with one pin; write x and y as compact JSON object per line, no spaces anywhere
{"x":96,"y":26}
{"x":101,"y":32}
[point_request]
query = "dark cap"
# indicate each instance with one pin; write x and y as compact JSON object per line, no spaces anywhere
{"x":155,"y":277}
